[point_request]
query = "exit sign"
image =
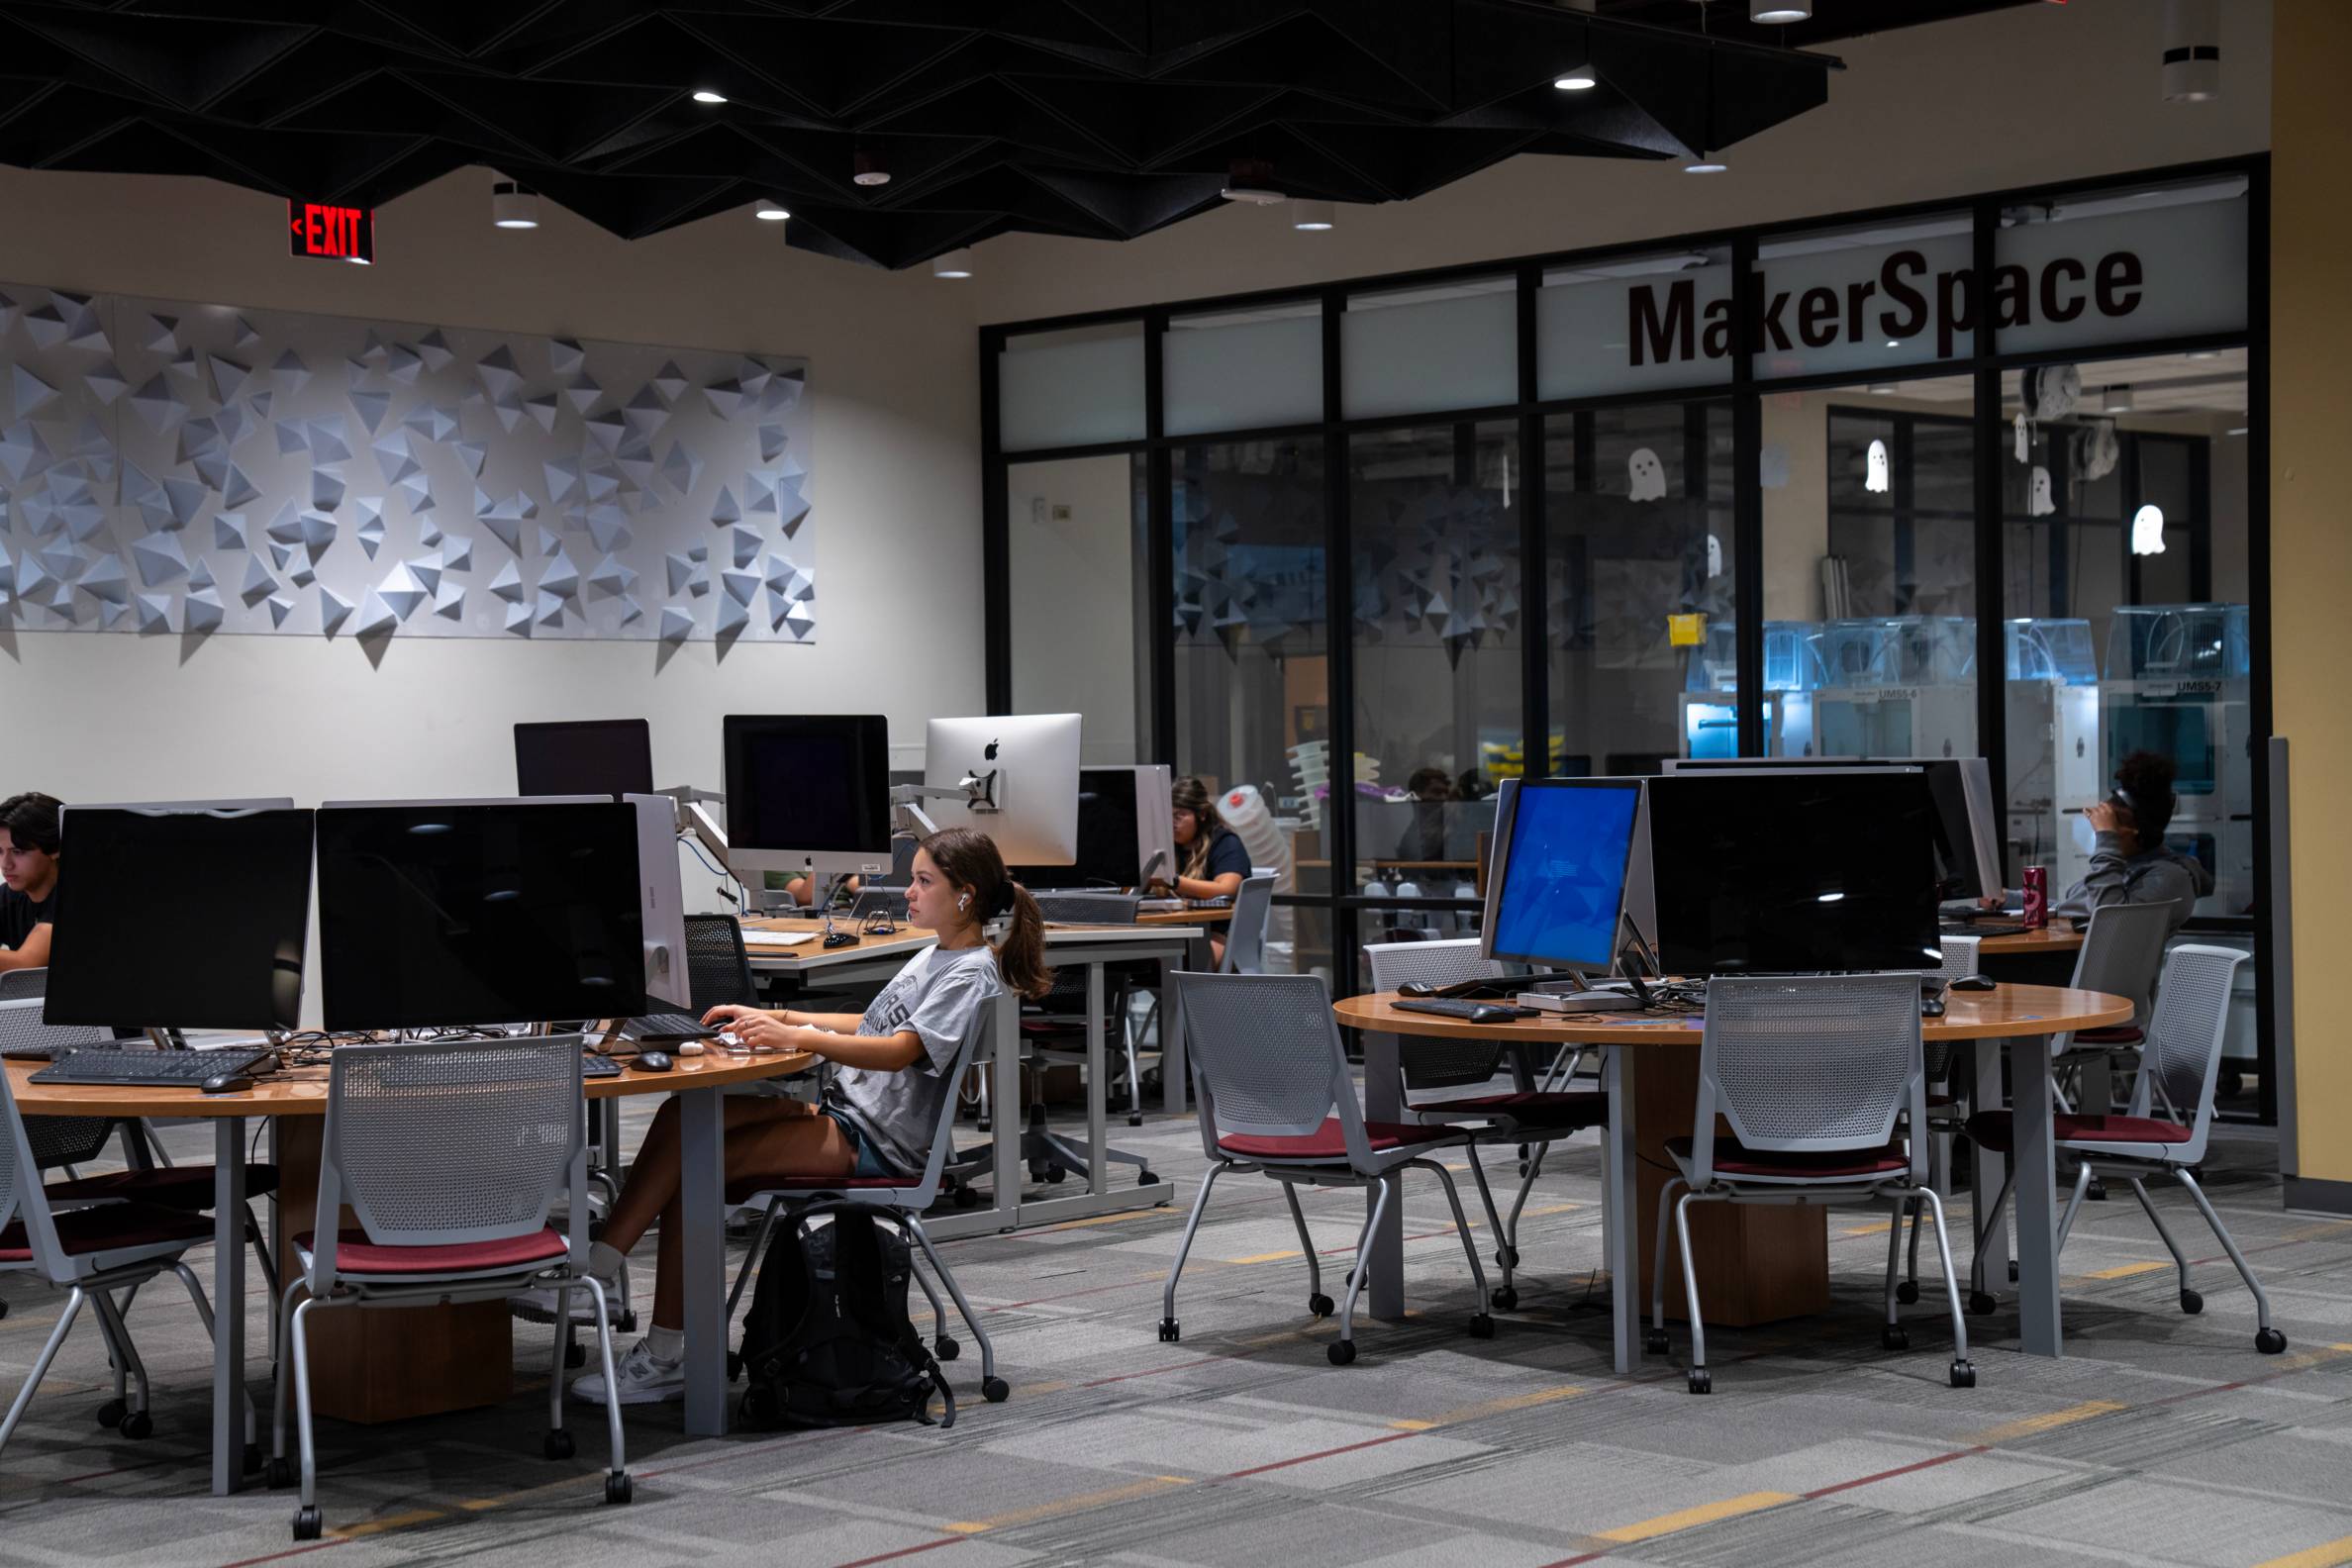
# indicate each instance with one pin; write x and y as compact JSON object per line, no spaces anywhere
{"x":339,"y":233}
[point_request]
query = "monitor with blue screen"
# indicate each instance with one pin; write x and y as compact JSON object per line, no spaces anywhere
{"x":1559,"y":872}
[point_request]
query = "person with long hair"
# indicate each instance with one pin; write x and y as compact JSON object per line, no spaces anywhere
{"x":886,"y":1079}
{"x":1210,"y":859}
{"x":28,"y":843}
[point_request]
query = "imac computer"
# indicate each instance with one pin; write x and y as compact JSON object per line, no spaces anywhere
{"x":807,"y":794}
{"x":1126,"y":831}
{"x":661,"y":901}
{"x":1968,"y":848}
{"x":1794,"y":871}
{"x":1013,"y":777}
{"x":1558,"y":882}
{"x":610,"y":758}
{"x":433,"y":914}
{"x":176,"y":954}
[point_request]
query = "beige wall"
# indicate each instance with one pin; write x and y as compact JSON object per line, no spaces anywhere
{"x":1073,"y":597}
{"x":896,"y":480}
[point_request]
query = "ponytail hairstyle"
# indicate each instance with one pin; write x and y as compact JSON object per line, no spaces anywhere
{"x":1191,"y":795}
{"x":968,"y":859}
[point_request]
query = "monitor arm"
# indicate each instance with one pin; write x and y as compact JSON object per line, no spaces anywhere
{"x":977,"y":792}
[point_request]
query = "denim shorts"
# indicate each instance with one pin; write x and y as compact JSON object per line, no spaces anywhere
{"x":869,"y":1163}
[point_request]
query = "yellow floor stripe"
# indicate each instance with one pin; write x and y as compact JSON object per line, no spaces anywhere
{"x":1495,"y":1407}
{"x":1069,"y":1505}
{"x":1099,"y":1219}
{"x":2327,"y":1556}
{"x":2011,"y":1430}
{"x":391,"y":1522}
{"x":1264,"y":1257}
{"x":2125,"y":1270}
{"x":1691,"y":1518}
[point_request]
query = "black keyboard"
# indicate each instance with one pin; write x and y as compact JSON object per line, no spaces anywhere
{"x":156,"y":1069}
{"x":594,"y":1066}
{"x":664,"y":1026}
{"x":1468,"y":1011}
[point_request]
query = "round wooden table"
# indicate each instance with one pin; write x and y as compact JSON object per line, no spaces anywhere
{"x":1758,"y":1263}
{"x":387,"y":1365}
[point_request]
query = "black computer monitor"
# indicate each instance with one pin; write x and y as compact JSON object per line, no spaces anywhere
{"x":806,"y":785}
{"x":1559,"y":872}
{"x":435,"y":914}
{"x":1967,"y":850}
{"x":1796,"y":871}
{"x":588,"y":756}
{"x":1109,"y":845}
{"x":181,"y":917}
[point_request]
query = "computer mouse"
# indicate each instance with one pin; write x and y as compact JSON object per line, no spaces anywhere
{"x":228,"y":1083}
{"x":1931,"y":1007}
{"x":728,"y":1039}
{"x":653,"y":1061}
{"x":1492,"y":1013}
{"x":1975,"y":982}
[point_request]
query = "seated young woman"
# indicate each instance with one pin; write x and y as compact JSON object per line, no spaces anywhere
{"x":29,"y":841}
{"x":1210,"y":859}
{"x":886,"y":1082}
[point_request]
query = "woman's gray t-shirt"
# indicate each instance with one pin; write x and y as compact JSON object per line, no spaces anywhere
{"x":938,"y":995}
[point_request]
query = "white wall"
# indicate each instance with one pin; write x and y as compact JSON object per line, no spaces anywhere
{"x":1073,"y":597}
{"x":896,"y":484}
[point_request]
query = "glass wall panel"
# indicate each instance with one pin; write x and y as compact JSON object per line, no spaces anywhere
{"x":1244,"y":370}
{"x":1638,"y":585}
{"x":2122,"y":265}
{"x":1426,"y":349}
{"x":1073,"y":388}
{"x":1634,"y":325}
{"x":1078,"y":590}
{"x":1435,"y":618}
{"x":1252,"y":661}
{"x":1874,"y":297}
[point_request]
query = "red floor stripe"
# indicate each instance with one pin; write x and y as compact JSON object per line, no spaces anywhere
{"x":1889,"y":1475}
{"x":905,"y":1551}
{"x":247,"y":1562}
{"x":1285,"y":1464}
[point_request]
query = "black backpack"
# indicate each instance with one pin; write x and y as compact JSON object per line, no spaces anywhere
{"x":827,"y":1341}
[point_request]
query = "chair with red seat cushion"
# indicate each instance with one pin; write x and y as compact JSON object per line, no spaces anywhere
{"x":1815,"y":1077}
{"x":1277,"y":1096}
{"x":451,"y":1153}
{"x":2181,"y":1061}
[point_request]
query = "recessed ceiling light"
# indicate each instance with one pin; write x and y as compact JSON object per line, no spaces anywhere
{"x":1251,"y":181}
{"x":956,"y":263}
{"x":704,"y":95}
{"x":1312,"y":217}
{"x":2236,"y":430}
{"x":2202,"y":353}
{"x":769,"y":212}
{"x":1880,"y":388}
{"x":869,"y":166}
{"x":513,"y":205}
{"x":1780,"y":12}
{"x":1580,"y":79}
{"x":1705,"y":165}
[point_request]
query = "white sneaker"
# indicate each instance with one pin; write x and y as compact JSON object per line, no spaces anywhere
{"x":641,"y":1377}
{"x":539,"y":1306}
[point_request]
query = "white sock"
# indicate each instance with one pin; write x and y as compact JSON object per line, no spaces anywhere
{"x":605,"y":1260}
{"x":667,"y":1345}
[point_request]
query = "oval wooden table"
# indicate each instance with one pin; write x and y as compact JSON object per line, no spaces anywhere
{"x":467,"y":1348}
{"x":1758,"y":1263}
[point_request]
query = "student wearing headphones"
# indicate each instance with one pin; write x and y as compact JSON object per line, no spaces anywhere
{"x":885,"y":1084}
{"x":29,"y":839}
{"x":2130,"y":863}
{"x":1210,"y":859}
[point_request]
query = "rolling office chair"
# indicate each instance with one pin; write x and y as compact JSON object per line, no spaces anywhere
{"x":423,"y":1143}
{"x":1245,"y":934}
{"x":2121,"y":954}
{"x":2180,"y":1064}
{"x":1062,"y":1012}
{"x":1944,"y":1114}
{"x":717,"y":965}
{"x":1278,"y":1096}
{"x":17,"y":984}
{"x":1813,"y":1075}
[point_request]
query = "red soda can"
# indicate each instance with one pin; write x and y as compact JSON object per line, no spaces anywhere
{"x":2038,"y":897}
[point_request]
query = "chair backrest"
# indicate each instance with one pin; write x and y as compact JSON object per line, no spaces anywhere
{"x":718,"y":969}
{"x":1959,"y":962}
{"x":1267,"y":1060}
{"x":16,"y":984}
{"x":1436,"y":1064}
{"x":2123,"y":951}
{"x":1245,"y":936}
{"x":2182,"y":1053}
{"x":1817,"y":1064}
{"x":22,"y":1197}
{"x":1089,"y":908}
{"x":452,"y":1141}
{"x":55,"y":1140}
{"x":979,"y":1035}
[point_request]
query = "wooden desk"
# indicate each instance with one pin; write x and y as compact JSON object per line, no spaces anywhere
{"x":421,"y":1359}
{"x":1761,"y":1260}
{"x":1185,"y":917}
{"x":2051,"y":939}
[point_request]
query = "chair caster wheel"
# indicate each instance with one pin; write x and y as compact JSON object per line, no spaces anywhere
{"x":2095,"y":1192}
{"x":1894,"y":1336}
{"x":1702,"y":1381}
{"x":1036,"y":1171}
{"x":619,"y":1489}
{"x":734,"y":1365}
{"x":1981,"y":1305}
{"x":139,"y":1425}
{"x":1055,"y":1175}
{"x":1482,"y":1326}
{"x":1134,"y":1120}
{"x":279,"y":1474}
{"x":1145,"y":1178}
{"x":1320,"y":1305}
{"x":308,"y":1524}
{"x":994,"y":1390}
{"x":1170,"y":1333}
{"x":1653,"y":1342}
{"x":626,"y":1322}
{"x":2191,"y":1303}
{"x":2270,"y":1342}
{"x":945,"y":1349}
{"x":1341,"y":1353}
{"x":1507,"y":1257}
{"x":1908,"y":1292}
{"x":558,"y":1445}
{"x":252,"y":1459}
{"x":967,"y":1198}
{"x":1963,"y":1374}
{"x":1504,"y":1296}
{"x":575,"y":1356}
{"x":111,"y":1412}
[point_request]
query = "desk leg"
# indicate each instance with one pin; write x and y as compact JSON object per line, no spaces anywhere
{"x":1199,"y":959}
{"x":1097,"y":1134}
{"x":228,"y":1306}
{"x":2036,"y":1193}
{"x":702,"y":1201}
{"x":1621,"y":1221}
{"x":1384,"y":1101}
{"x":1988,"y":1169}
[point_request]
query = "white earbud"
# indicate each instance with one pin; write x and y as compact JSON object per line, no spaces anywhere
{"x":963,"y":902}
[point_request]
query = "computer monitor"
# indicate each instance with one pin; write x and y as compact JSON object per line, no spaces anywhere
{"x":1968,"y":848}
{"x":1019,"y":777}
{"x":808,"y":793}
{"x":1124,"y":821}
{"x":662,"y":902}
{"x":191,"y":915}
{"x":433,"y":914}
{"x":610,"y":758}
{"x":1561,"y":852}
{"x":1793,"y":870}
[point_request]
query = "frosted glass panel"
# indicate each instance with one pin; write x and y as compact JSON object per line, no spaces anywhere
{"x":1633,"y":331}
{"x":1072,"y":388}
{"x":1428,"y":354}
{"x":1244,"y":375}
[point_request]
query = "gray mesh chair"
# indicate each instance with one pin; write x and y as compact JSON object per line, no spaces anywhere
{"x":2180,"y":1062}
{"x":718,"y":968}
{"x":2122,"y":951}
{"x":1944,"y":1114}
{"x":1814,"y":1076}
{"x":1245,"y":934}
{"x":451,"y":1153}
{"x":17,"y":984}
{"x":1276,"y":1097}
{"x":89,"y":1253}
{"x":899,"y":1200}
{"x":1529,"y":1119}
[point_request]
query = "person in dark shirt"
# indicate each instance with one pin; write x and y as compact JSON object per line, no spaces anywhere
{"x":1210,"y":859}
{"x":29,"y":867}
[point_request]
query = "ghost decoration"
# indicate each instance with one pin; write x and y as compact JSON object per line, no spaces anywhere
{"x":1646,"y":475}
{"x":1715,"y":556}
{"x":2147,"y":530}
{"x":2039,"y":502}
{"x":1876,"y":478}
